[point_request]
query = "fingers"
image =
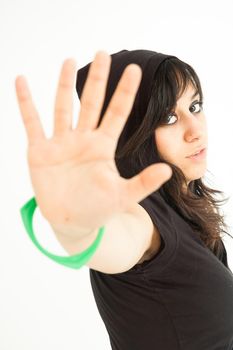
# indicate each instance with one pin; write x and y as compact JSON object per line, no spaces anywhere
{"x":28,"y":111}
{"x":148,"y":181}
{"x":63,"y":112}
{"x":122,"y":101}
{"x":94,"y":91}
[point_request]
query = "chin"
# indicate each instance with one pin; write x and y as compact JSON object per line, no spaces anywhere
{"x":196,"y":176}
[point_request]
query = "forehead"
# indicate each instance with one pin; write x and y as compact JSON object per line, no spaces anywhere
{"x":189,"y":93}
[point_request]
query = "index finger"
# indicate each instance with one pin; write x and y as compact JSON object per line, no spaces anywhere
{"x":28,"y":111}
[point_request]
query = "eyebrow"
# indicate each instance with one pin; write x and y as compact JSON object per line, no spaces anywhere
{"x":195,"y":94}
{"x":192,"y":97}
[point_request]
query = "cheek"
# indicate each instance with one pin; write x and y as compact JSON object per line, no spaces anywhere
{"x":167,"y":147}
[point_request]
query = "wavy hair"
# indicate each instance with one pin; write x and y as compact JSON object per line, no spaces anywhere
{"x":198,"y":204}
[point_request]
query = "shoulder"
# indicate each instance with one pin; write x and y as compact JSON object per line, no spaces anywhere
{"x":154,"y":238}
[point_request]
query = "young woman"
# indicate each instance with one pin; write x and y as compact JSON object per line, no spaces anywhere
{"x":160,"y":276}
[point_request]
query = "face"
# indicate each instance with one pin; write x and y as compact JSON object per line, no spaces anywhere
{"x":184,"y":132}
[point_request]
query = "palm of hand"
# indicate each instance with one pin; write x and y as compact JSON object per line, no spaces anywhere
{"x":73,"y":174}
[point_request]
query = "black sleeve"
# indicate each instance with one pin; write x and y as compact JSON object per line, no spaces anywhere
{"x":161,"y":216}
{"x":223,"y":256}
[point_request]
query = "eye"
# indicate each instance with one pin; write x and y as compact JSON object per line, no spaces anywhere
{"x":168,"y":118}
{"x":192,"y":109}
{"x":200,"y":103}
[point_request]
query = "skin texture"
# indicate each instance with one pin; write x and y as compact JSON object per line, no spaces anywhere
{"x":80,"y":160}
{"x":184,"y":132}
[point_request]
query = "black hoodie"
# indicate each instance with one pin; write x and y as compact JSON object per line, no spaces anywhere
{"x":182,"y":298}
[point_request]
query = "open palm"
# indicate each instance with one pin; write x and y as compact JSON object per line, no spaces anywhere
{"x":73,"y":174}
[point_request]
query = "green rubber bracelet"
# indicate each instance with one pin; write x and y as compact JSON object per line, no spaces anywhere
{"x":73,"y":261}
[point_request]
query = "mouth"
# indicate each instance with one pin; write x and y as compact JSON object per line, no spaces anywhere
{"x":199,"y":155}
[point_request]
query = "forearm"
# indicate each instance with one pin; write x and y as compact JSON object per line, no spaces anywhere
{"x":126,"y":238}
{"x":74,"y":241}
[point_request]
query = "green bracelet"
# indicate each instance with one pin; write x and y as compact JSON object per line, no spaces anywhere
{"x":73,"y":261}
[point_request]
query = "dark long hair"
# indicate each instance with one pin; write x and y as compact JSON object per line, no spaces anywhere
{"x":198,"y":204}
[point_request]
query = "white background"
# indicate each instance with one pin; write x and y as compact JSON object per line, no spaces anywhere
{"x":44,"y":305}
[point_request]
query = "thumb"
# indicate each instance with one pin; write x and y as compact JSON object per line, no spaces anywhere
{"x":148,"y":181}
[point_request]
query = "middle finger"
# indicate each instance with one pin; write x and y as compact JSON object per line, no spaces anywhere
{"x":94,"y":91}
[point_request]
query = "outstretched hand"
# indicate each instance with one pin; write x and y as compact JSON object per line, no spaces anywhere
{"x":73,"y":174}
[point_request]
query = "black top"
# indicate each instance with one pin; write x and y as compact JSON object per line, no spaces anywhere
{"x":181,"y":299}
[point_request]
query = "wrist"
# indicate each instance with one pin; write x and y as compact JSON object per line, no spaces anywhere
{"x":70,"y":234}
{"x":75,"y":261}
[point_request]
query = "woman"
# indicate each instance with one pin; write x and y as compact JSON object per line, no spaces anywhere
{"x":160,"y":275}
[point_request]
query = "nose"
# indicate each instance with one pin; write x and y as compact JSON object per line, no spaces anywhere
{"x":193,"y":126}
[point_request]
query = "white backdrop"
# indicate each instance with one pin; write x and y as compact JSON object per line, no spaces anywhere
{"x":44,"y":305}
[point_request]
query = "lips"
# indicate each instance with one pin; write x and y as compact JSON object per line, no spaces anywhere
{"x":197,"y":151}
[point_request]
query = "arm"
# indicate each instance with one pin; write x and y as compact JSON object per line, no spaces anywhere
{"x":74,"y":174}
{"x":127,"y":238}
